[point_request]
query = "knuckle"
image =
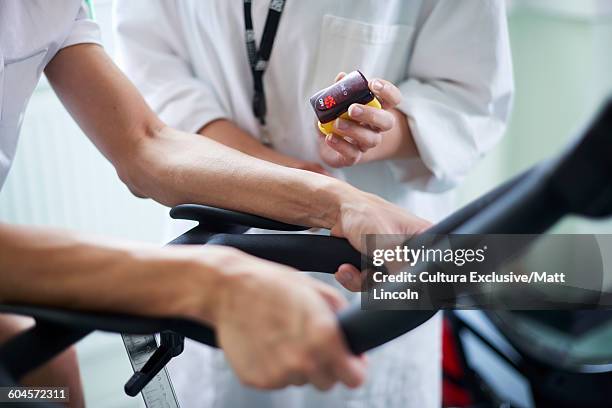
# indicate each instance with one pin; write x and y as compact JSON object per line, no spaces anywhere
{"x":353,"y":153}
{"x":297,"y":363}
{"x":278,"y":379}
{"x":346,"y":158}
{"x":377,"y":139}
{"x":317,"y":346}
{"x":372,"y":115}
{"x":253,"y":382}
{"x":386,"y":121}
{"x":325,"y":385}
{"x":349,"y":160}
{"x":306,"y":366}
{"x":393,"y":96}
{"x":392,"y":92}
{"x":267,"y":379}
{"x":327,"y":333}
{"x":370,"y":140}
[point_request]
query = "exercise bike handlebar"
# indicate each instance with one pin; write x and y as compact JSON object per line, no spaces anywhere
{"x":363,"y":330}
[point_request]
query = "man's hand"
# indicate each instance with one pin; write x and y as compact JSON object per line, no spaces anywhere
{"x":365,"y":132}
{"x":370,"y":214}
{"x":278,"y":327}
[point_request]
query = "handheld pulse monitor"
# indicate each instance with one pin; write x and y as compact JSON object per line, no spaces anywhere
{"x":333,"y":102}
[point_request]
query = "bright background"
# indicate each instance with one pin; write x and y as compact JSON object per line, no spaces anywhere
{"x":563,"y":69}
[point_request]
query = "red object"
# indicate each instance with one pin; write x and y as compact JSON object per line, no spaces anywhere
{"x":329,"y":101}
{"x":453,"y":395}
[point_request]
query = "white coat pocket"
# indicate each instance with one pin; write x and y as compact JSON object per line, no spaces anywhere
{"x":378,"y":50}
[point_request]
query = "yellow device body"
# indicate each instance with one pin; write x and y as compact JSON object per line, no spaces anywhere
{"x":328,"y":128}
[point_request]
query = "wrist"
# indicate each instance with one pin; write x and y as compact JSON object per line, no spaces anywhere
{"x":332,"y":196}
{"x":215,"y":273}
{"x":184,"y":282}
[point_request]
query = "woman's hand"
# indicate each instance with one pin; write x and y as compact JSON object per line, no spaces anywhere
{"x":352,"y":139}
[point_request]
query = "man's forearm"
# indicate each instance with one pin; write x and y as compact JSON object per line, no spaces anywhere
{"x":58,"y":269}
{"x":173,"y":167}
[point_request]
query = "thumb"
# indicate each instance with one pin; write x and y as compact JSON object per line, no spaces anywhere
{"x":349,"y":277}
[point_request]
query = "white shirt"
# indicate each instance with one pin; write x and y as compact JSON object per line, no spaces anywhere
{"x":451,"y":60}
{"x":31,"y":33}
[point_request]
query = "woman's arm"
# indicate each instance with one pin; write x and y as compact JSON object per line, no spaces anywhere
{"x":228,"y":133}
{"x":458,"y":90}
{"x":158,"y":62}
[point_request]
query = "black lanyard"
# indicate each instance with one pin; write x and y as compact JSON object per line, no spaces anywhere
{"x":258,"y":59}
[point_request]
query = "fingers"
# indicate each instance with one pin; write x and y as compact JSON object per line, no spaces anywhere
{"x":334,"y":360}
{"x":349,"y":277}
{"x":387,"y":94}
{"x":323,"y":379}
{"x":334,"y":299}
{"x":348,"y":153}
{"x":347,"y":368}
{"x":378,"y":119}
{"x":365,"y":129}
{"x":365,"y":138}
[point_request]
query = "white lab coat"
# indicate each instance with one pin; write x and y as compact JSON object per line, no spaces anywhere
{"x":450,"y":59}
{"x":31,"y":33}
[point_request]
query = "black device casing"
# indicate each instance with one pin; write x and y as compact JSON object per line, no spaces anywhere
{"x":353,"y":88}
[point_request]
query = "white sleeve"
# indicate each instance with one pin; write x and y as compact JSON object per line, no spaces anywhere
{"x":151,"y":48}
{"x":84,"y":30}
{"x":458,"y":94}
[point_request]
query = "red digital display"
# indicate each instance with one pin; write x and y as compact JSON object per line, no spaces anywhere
{"x":329,"y":101}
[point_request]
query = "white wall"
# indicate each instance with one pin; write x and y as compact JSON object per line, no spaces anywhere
{"x":562,"y":67}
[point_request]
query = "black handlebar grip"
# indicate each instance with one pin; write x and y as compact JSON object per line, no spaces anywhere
{"x":314,"y":253}
{"x":219,"y":219}
{"x":366,"y":329}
